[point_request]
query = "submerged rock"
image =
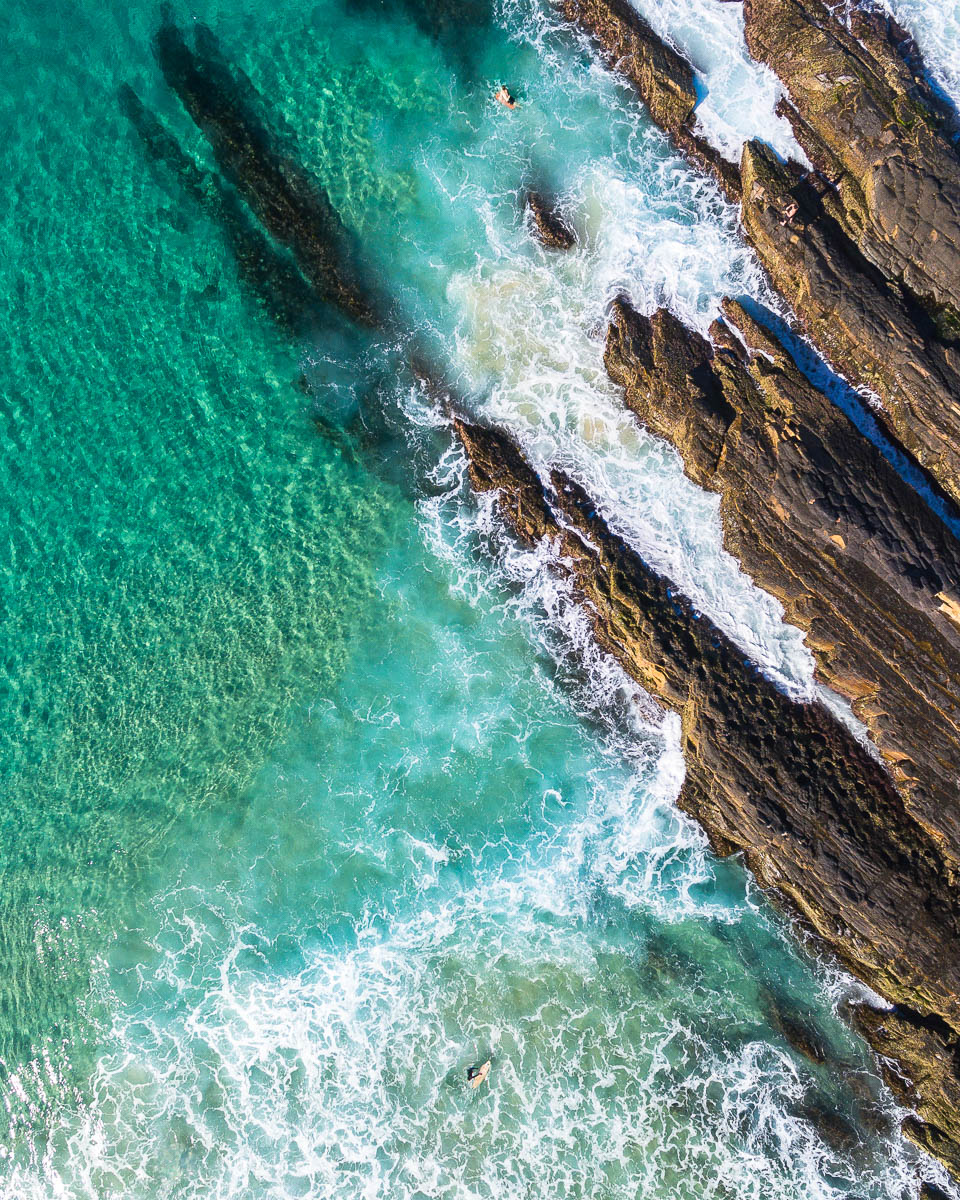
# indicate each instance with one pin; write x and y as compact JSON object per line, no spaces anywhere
{"x":549,"y":227}
{"x":291,"y":205}
{"x":266,"y":272}
{"x":815,"y":815}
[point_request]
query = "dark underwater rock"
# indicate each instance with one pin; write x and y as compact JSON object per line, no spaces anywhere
{"x":291,"y":206}
{"x":920,"y":1059}
{"x":815,"y":816}
{"x":549,"y":227}
{"x":266,"y":272}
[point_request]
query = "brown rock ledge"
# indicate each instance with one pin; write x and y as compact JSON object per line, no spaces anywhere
{"x":819,"y":518}
{"x":815,"y":816}
{"x":865,"y":119}
{"x":865,"y":326}
{"x":816,"y":242}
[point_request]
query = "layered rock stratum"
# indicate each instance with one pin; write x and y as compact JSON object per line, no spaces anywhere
{"x":816,"y":817}
{"x":819,"y":518}
{"x":864,"y":115}
{"x":865,"y":248}
{"x":663,"y":77}
{"x":864,"y":324}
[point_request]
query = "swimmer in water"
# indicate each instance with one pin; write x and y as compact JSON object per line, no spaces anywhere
{"x":476,"y":1075}
{"x":502,"y":96}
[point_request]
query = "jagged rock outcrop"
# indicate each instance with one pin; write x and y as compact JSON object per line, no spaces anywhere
{"x":663,"y":77}
{"x":867,"y":250}
{"x":847,"y":258}
{"x":868,"y":121}
{"x":290,"y":205}
{"x":865,"y":326}
{"x":549,"y":227}
{"x":819,"y":518}
{"x":920,"y":1060}
{"x":815,"y":815}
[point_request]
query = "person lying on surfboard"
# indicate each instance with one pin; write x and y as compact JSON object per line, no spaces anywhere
{"x":502,"y":96}
{"x":476,"y":1075}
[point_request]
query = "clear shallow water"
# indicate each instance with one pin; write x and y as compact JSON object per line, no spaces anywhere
{"x":309,"y":800}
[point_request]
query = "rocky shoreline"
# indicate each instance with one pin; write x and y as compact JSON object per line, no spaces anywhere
{"x":816,"y":817}
{"x":864,"y":249}
{"x":865,"y":848}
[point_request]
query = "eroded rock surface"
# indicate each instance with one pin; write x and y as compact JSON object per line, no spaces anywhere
{"x":863,"y":114}
{"x":815,"y":815}
{"x":819,"y":518}
{"x":866,"y":327}
{"x":865,"y":251}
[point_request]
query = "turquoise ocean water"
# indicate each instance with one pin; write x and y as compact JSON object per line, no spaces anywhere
{"x":315,"y":791}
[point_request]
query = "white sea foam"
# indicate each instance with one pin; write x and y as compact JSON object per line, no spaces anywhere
{"x":739,"y":94}
{"x":343,"y":1077}
{"x":935,"y":25}
{"x":530,"y":343}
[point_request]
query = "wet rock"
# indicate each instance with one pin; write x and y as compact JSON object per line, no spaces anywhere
{"x":864,"y":117}
{"x":815,"y":816}
{"x":291,"y":206}
{"x":798,"y":1031}
{"x":866,"y":251}
{"x":835,"y":1129}
{"x":929,"y":1191}
{"x":920,"y":1059}
{"x":821,"y":520}
{"x":549,"y":227}
{"x":663,"y":78}
{"x":864,"y":325}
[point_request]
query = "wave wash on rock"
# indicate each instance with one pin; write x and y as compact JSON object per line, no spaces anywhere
{"x":865,"y":249}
